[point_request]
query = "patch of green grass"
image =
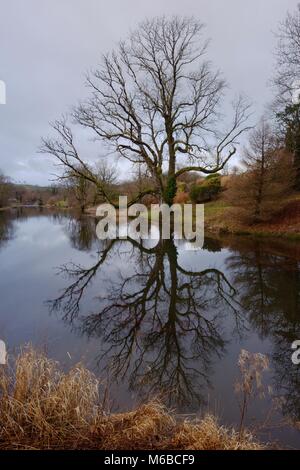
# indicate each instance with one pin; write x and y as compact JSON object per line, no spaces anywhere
{"x":267,"y":234}
{"x":215,"y":208}
{"x":293,"y":236}
{"x":62,"y":204}
{"x":217,"y":221}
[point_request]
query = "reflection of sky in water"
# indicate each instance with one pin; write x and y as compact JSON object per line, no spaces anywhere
{"x":149,"y":235}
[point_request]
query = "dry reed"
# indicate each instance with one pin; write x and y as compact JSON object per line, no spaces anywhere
{"x":42,"y":407}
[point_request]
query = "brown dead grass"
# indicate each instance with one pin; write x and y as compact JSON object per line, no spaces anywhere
{"x":220,"y":217}
{"x":42,"y":407}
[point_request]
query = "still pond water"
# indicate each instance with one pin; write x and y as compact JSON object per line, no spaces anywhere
{"x":156,"y":320}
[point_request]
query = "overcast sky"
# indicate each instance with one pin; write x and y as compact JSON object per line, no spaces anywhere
{"x":47,"y":46}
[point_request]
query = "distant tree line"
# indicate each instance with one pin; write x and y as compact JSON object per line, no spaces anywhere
{"x":22,"y":194}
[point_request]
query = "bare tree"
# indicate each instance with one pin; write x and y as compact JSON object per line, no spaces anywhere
{"x":5,"y":189}
{"x":156,"y":101}
{"x":257,"y":193}
{"x":287,"y":84}
{"x":78,"y":186}
{"x":288,"y":58}
{"x":106,"y":172}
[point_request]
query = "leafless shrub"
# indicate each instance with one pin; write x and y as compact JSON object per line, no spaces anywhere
{"x":252,"y":366}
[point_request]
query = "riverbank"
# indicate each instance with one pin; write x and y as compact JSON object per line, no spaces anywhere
{"x":45,"y":408}
{"x":219,"y":219}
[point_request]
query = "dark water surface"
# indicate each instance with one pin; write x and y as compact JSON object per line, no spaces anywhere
{"x":156,"y":320}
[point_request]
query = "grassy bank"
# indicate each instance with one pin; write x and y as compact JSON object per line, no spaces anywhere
{"x":286,"y":224}
{"x":219,"y":219}
{"x":44,"y":408}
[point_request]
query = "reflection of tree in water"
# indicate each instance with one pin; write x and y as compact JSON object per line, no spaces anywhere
{"x":81,"y":230}
{"x":8,"y":219}
{"x":268,"y":282}
{"x":6,"y":227}
{"x":161,"y":323}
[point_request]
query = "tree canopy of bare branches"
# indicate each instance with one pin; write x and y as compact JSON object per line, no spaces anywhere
{"x":287,"y":84}
{"x":156,"y":101}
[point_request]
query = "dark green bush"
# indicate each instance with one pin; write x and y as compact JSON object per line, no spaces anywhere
{"x":207,"y":190}
{"x":213,"y":176}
